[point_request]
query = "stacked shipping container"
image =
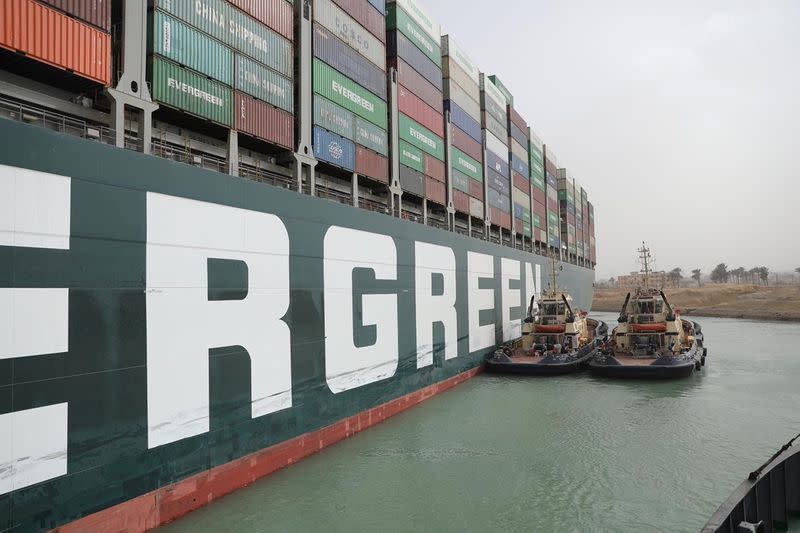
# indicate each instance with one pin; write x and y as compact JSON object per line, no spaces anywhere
{"x":234,"y":68}
{"x":72,"y":36}
{"x":494,"y":120}
{"x":553,"y":212}
{"x":592,"y":242}
{"x":350,"y":110}
{"x":462,"y":100}
{"x":518,"y":162}
{"x":413,"y":41}
{"x":538,"y":189}
{"x":566,"y":202}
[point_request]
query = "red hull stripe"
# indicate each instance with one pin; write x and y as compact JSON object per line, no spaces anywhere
{"x":173,"y":501}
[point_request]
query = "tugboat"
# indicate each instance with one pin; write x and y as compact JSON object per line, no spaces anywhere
{"x":651,"y":341}
{"x":555,"y":339}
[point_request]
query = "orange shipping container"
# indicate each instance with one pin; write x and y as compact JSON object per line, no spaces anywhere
{"x":54,"y":38}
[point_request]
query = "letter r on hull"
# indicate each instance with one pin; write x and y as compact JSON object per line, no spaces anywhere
{"x":183,"y":325}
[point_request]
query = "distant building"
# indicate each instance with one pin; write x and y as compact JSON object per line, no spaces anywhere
{"x":634,"y":279}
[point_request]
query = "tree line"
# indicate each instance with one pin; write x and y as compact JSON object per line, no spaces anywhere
{"x":720,"y":274}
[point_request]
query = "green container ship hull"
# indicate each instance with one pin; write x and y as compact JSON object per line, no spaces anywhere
{"x":163,"y":321}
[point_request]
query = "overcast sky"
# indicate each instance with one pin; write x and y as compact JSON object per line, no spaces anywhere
{"x":681,"y":119}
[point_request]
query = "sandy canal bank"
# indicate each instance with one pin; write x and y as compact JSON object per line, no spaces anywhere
{"x":727,"y":300}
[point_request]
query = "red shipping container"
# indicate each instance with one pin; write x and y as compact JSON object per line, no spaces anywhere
{"x":95,"y":12}
{"x":520,"y":182}
{"x":417,"y":84}
{"x":570,"y":219}
{"x":435,"y":191}
{"x":539,"y":196}
{"x":275,"y":14}
{"x":519,"y":226}
{"x":372,"y":164}
{"x":467,"y":144}
{"x":366,"y":15}
{"x":552,"y":205}
{"x":263,"y":121}
{"x":460,"y":201}
{"x":517,"y":119}
{"x":52,"y":37}
{"x":435,"y":168}
{"x":476,"y":189}
{"x":409,"y":104}
{"x":540,"y":210}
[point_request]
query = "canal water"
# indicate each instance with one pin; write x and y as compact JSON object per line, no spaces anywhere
{"x":574,"y":453}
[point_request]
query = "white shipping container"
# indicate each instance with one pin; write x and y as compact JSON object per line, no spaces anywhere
{"x":454,"y":92}
{"x":521,"y":197}
{"x":451,"y":70}
{"x":519,"y":151}
{"x":334,"y":18}
{"x":551,"y":156}
{"x":476,"y":208}
{"x":535,"y":139}
{"x":420,"y":17}
{"x":496,"y":146}
{"x":492,"y":91}
{"x":449,"y":48}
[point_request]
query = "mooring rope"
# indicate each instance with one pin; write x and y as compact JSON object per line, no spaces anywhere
{"x":756,"y":473}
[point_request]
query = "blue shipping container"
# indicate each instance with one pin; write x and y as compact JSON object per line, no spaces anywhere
{"x":380,"y":5}
{"x":497,"y":165}
{"x":346,"y":60}
{"x":499,"y":201}
{"x":397,"y":45}
{"x":460,"y":118}
{"x":518,"y":135}
{"x":334,"y":149}
{"x":552,"y":181}
{"x":520,"y":166}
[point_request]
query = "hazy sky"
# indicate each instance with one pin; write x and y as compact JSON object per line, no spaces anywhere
{"x":681,"y":119}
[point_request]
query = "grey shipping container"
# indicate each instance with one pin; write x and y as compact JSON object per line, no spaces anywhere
{"x":337,"y":54}
{"x":494,"y":126}
{"x":416,"y":83}
{"x":338,"y":22}
{"x":412,"y":181}
{"x":460,"y":181}
{"x":398,"y":45}
{"x":498,"y":183}
{"x":257,"y":80}
{"x":454,"y":92}
{"x":498,"y":165}
{"x":499,"y":201}
{"x":517,"y":134}
{"x":334,"y":117}
{"x":366,"y":15}
{"x":380,"y":5}
{"x":371,"y":136}
{"x":334,"y":149}
{"x":179,"y":42}
{"x":450,"y":69}
{"x":493,"y":110}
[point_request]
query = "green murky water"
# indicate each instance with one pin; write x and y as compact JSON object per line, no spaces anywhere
{"x":555,"y":454}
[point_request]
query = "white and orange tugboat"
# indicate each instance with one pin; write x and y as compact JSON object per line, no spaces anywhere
{"x":555,"y":338}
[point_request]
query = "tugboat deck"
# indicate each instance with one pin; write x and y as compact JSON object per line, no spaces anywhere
{"x":634,"y":361}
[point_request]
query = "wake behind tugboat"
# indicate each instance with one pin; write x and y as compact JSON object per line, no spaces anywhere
{"x":555,"y":339}
{"x":651,"y":341}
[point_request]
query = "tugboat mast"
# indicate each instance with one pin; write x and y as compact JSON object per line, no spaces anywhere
{"x":553,"y":275}
{"x":644,"y":259}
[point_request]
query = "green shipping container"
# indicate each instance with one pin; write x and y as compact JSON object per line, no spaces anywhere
{"x":421,"y":137}
{"x":538,"y":182}
{"x":265,"y":84}
{"x":502,"y":88}
{"x":466,"y":165}
{"x":397,"y":18}
{"x":371,"y":136}
{"x":236,"y":29}
{"x":537,"y":221}
{"x":348,"y":94}
{"x":562,"y":194}
{"x":526,"y":228}
{"x":334,"y":118}
{"x":188,"y":91}
{"x":182,"y":44}
{"x":553,"y":219}
{"x":412,"y":157}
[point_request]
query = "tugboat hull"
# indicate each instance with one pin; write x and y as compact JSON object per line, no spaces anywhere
{"x":616,"y":369}
{"x":542,"y":368}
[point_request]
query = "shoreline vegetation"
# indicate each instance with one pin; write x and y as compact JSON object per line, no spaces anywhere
{"x":720,"y":300}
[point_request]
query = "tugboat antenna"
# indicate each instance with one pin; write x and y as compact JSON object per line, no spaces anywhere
{"x":553,"y":274}
{"x":644,"y":259}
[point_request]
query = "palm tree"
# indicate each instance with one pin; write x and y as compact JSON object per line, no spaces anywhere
{"x":696,"y":275}
{"x":738,"y":273}
{"x":720,"y":273}
{"x":753,"y":273}
{"x":611,"y":282}
{"x":675,"y":276}
{"x":763,"y":273}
